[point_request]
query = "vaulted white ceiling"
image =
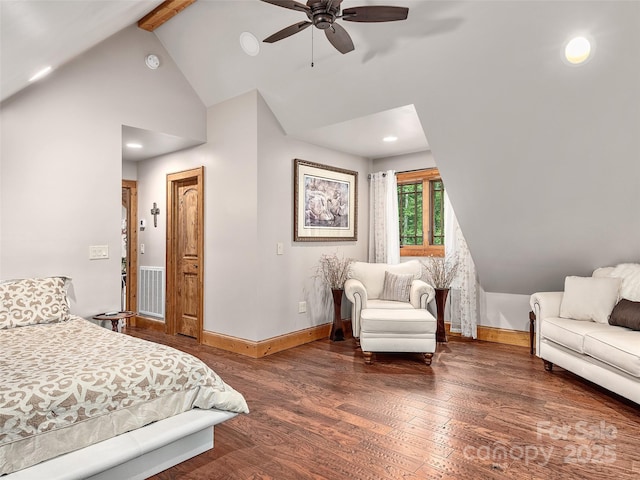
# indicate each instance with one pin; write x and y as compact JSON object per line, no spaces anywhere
{"x":204,"y":41}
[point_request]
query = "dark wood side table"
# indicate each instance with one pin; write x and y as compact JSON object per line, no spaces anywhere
{"x":115,"y":317}
{"x":532,"y":330}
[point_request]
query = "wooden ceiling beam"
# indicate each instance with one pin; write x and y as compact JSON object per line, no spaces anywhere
{"x":162,"y":13}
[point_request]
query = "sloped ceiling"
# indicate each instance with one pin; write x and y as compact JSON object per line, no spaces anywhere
{"x":541,"y":159}
{"x":35,"y":34}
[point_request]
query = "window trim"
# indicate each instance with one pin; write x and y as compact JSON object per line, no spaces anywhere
{"x":426,"y":176}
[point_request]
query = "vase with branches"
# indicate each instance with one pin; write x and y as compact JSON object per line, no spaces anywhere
{"x":440,"y":272}
{"x":332,"y":270}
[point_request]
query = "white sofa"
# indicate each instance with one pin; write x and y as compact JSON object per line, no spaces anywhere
{"x":604,"y":354}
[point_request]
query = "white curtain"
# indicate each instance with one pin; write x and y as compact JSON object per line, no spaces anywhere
{"x":464,"y":299}
{"x":384,"y":229}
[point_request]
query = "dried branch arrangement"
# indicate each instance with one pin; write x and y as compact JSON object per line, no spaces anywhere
{"x":332,"y":270}
{"x":440,"y":271}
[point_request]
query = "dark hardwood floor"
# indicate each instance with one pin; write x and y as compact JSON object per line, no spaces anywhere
{"x":481,"y":411}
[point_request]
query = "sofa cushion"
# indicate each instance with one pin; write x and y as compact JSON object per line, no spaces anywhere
{"x":589,"y":298}
{"x":617,"y":346}
{"x":396,"y":286}
{"x":569,"y":333}
{"x":630,"y":275}
{"x":626,"y":314}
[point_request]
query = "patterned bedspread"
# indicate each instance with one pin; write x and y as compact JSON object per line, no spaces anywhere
{"x":67,"y":385}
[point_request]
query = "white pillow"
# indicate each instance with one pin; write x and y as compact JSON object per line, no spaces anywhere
{"x":630,"y":275}
{"x":589,"y":298}
{"x":397,"y":287}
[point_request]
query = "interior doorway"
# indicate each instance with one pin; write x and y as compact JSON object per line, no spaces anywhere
{"x":129,"y":266}
{"x":185,"y":252}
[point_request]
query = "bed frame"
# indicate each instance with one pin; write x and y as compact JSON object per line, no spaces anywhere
{"x":134,"y":455}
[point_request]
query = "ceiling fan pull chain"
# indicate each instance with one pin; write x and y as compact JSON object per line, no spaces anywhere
{"x":312,"y":48}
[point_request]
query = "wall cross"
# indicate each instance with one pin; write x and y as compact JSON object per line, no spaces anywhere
{"x":155,"y":211}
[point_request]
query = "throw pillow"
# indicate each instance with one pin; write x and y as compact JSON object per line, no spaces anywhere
{"x":589,"y":298}
{"x":626,"y":314}
{"x":33,"y":300}
{"x":630,"y":275}
{"x":396,"y":287}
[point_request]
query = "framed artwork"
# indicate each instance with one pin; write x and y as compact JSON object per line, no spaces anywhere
{"x":325,"y":203}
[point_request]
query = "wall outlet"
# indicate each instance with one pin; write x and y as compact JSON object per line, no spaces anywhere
{"x":302,"y":307}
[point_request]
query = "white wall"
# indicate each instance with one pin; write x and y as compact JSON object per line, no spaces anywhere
{"x":287,"y":279}
{"x":62,"y":163}
{"x":250,"y":292}
{"x":129,"y":170}
{"x":504,"y":310}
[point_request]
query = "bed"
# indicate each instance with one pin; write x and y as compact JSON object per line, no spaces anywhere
{"x":81,"y":401}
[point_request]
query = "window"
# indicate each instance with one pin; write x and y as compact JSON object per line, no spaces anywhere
{"x":421,"y":212}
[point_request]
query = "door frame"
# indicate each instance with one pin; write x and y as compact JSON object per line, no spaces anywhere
{"x":173,"y":181}
{"x":132,"y":246}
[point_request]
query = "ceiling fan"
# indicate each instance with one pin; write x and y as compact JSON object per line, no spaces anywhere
{"x":323,"y":14}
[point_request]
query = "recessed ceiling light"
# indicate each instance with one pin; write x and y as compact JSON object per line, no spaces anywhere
{"x":42,"y":73}
{"x":390,"y":138}
{"x":134,"y":145}
{"x":577,"y":50}
{"x":249,"y":44}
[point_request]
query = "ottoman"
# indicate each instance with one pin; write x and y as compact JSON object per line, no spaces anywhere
{"x":401,"y":330}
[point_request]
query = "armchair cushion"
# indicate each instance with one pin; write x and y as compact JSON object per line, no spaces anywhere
{"x":396,"y":286}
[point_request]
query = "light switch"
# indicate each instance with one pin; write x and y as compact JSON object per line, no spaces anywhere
{"x":142,"y":248}
{"x":98,"y":252}
{"x":280,"y":248}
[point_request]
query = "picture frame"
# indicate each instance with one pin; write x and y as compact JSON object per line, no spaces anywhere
{"x":325,"y":203}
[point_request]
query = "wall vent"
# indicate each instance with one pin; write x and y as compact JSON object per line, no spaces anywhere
{"x":151,"y":293}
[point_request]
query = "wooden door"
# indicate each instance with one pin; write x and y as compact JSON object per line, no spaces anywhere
{"x":130,"y":279}
{"x":184,"y":253}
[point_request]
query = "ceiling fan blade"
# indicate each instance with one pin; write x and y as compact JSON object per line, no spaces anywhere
{"x":375,"y":14}
{"x":290,"y":4}
{"x":339,"y":38}
{"x":287,"y":32}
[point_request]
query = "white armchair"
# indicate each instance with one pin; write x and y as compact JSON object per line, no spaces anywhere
{"x":365,"y":284}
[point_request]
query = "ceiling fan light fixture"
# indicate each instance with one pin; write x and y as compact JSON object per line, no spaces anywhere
{"x":323,"y":14}
{"x":249,"y":44}
{"x":323,"y":20}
